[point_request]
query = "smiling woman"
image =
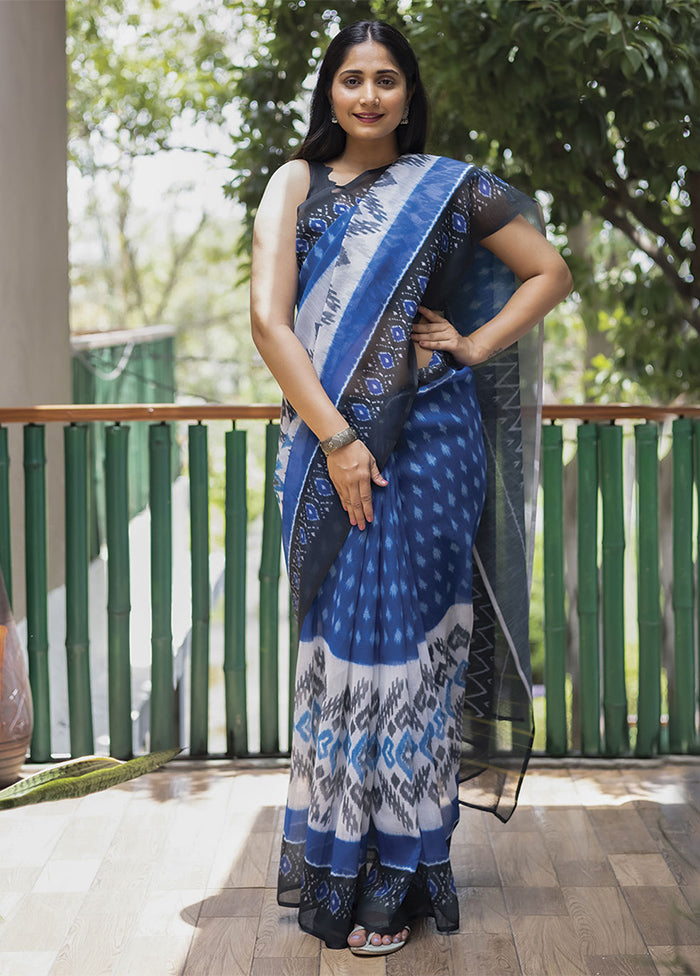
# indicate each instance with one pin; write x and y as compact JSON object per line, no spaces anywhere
{"x":400,"y":478}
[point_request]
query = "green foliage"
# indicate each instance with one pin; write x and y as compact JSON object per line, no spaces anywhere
{"x":591,"y":99}
{"x":79,"y":777}
{"x":135,"y":68}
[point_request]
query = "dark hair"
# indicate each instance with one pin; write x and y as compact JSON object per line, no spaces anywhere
{"x":324,"y":140}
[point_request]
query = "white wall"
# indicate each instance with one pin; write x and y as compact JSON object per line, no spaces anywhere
{"x":34,"y":331}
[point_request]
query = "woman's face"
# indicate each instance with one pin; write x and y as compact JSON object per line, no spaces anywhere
{"x":369,"y":92}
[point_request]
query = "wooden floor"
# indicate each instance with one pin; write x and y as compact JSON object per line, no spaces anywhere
{"x":596,"y":873}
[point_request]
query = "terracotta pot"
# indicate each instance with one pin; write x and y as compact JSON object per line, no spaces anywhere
{"x":16,"y":714}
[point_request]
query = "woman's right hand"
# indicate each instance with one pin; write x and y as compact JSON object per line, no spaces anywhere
{"x":352,"y":470}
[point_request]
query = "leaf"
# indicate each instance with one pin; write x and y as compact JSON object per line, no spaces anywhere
{"x":79,"y":777}
{"x":614,"y":23}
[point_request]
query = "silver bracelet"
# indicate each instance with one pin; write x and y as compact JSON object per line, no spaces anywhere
{"x":336,"y":441}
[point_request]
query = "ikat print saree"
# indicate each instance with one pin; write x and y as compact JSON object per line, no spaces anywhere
{"x":413,"y":670}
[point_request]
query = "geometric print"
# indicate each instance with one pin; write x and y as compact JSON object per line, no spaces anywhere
{"x":381,"y":676}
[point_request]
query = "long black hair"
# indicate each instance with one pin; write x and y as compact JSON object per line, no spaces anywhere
{"x":324,"y":140}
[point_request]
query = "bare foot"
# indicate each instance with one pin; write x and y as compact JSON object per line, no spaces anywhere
{"x":360,"y":937}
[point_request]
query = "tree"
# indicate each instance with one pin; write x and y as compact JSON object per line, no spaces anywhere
{"x":144,"y":77}
{"x":591,"y":99}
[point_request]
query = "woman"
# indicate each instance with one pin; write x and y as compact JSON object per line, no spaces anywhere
{"x":401,"y":268}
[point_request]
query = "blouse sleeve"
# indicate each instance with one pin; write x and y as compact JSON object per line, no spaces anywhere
{"x":493,"y":203}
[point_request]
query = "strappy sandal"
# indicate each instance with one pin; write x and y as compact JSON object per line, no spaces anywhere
{"x":370,"y":949}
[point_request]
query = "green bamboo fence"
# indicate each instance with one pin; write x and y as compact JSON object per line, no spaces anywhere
{"x":599,"y":476}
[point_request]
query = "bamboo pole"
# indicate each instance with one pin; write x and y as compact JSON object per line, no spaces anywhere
{"x":199,"y":546}
{"x":235,"y":595}
{"x":118,"y":590}
{"x":77,"y":629}
{"x":614,"y":692}
{"x":648,"y":590}
{"x":36,"y":586}
{"x":588,"y":610}
{"x":554,"y":607}
{"x":682,"y":689}
{"x":162,"y":693}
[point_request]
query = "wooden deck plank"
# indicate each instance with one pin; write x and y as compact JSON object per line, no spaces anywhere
{"x":26,"y":963}
{"x":474,"y":865}
{"x":671,"y":960}
{"x":337,"y":962}
{"x":94,"y":944}
{"x":279,"y":935}
{"x":548,"y":946}
{"x":40,"y":922}
{"x":427,"y":953}
{"x":641,"y":869}
{"x":603,"y":922}
{"x":663,"y":916}
{"x":222,"y":947}
{"x":621,"y":965}
{"x":176,"y":875}
{"x":298,"y":966}
{"x":522,"y":859}
{"x":621,"y":830}
{"x":485,"y":955}
{"x":482,"y":910}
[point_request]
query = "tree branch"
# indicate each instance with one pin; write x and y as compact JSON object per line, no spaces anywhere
{"x":179,"y":256}
{"x":636,"y":206}
{"x":683,"y":288}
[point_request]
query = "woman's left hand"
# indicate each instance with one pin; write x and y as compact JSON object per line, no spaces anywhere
{"x":433,"y":331}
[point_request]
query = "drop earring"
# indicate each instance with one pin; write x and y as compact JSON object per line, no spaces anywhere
{"x":404,"y":117}
{"x":334,"y":118}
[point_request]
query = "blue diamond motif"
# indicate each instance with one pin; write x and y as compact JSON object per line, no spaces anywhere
{"x":335,"y":902}
{"x":311,"y":512}
{"x":339,"y":208}
{"x":410,"y":307}
{"x":303,"y":726}
{"x":484,"y":187}
{"x":324,"y":743}
{"x":374,"y":386}
{"x":386,"y":359}
{"x":302,"y":246}
{"x":322,"y":891}
{"x":405,"y":754}
{"x":459,"y":223}
{"x":388,"y":753}
{"x":397,"y":333}
{"x":361,"y":411}
{"x":317,"y":224}
{"x":323,"y":486}
{"x":285,"y":865}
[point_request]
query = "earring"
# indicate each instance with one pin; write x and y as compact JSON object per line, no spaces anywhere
{"x":334,"y":118}
{"x":404,"y":117}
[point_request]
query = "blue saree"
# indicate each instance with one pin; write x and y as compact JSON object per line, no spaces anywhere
{"x":413,"y":686}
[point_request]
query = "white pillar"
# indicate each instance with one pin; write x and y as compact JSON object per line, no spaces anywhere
{"x":34,"y":332}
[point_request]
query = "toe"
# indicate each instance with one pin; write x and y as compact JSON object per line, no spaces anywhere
{"x":357,"y":938}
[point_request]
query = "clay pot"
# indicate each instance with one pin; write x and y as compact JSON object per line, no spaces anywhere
{"x":16,"y":714}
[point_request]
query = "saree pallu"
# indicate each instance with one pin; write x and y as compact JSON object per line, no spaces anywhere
{"x":413,"y":668}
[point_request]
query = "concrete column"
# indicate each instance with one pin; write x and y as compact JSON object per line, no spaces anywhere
{"x":34,"y":332}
